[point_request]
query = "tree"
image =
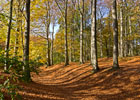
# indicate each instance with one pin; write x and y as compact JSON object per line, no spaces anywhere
{"x":121,"y":29}
{"x":126,"y":45}
{"x":64,"y":15}
{"x":94,"y":58}
{"x":115,"y":34}
{"x":131,"y":49}
{"x":27,"y":40}
{"x":18,"y":17}
{"x":47,"y":32}
{"x":8,"y":35}
{"x":81,"y":30}
{"x":52,"y":41}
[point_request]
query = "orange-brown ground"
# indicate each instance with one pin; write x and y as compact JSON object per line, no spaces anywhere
{"x":77,"y":82}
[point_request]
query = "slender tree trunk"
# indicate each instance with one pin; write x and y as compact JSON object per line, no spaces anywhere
{"x":126,"y":31}
{"x":70,"y":55}
{"x":73,"y":30}
{"x":121,"y":30}
{"x":81,"y":32}
{"x":115,"y":34}
{"x":131,"y":42}
{"x":48,"y":33}
{"x":94,"y":58}
{"x":107,"y":50}
{"x":81,"y":40}
{"x":73,"y":47}
{"x":27,"y":40}
{"x":52,"y":44}
{"x":18,"y":29}
{"x":8,"y":36}
{"x":16,"y":42}
{"x":66,"y":32}
{"x":48,"y":45}
{"x":101,"y":43}
{"x":110,"y":36}
{"x":22,"y":42}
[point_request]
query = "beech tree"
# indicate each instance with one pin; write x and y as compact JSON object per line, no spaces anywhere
{"x":94,"y":58}
{"x":8,"y":35}
{"x":47,"y":32}
{"x":52,"y":41}
{"x":126,"y":49}
{"x":115,"y":34}
{"x":27,"y":42}
{"x":121,"y":30}
{"x":81,"y":10}
{"x":64,"y":13}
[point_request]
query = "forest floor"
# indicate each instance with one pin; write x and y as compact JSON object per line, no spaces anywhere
{"x":77,"y":82}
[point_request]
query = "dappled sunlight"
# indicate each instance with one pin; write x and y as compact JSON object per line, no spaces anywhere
{"x":77,"y":82}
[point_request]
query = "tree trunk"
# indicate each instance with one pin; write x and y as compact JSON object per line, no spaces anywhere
{"x":16,"y":42}
{"x":126,"y":31}
{"x":107,"y":50}
{"x":52,"y":44}
{"x":8,"y":36}
{"x":18,"y":29}
{"x":27,"y":40}
{"x":81,"y":32}
{"x":22,"y":42}
{"x":131,"y":41}
{"x":121,"y":30}
{"x":66,"y":32}
{"x":115,"y":34}
{"x":70,"y":53}
{"x":110,"y":37}
{"x":48,"y":45}
{"x":94,"y":57}
{"x":48,"y":33}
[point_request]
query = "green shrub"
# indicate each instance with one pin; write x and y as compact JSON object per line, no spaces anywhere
{"x":11,"y":89}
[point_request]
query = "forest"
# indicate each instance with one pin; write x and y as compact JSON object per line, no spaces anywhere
{"x":69,"y":49}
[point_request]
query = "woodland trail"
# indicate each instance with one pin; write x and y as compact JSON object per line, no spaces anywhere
{"x":76,"y":82}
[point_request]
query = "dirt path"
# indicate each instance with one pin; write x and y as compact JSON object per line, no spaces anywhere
{"x":76,"y":82}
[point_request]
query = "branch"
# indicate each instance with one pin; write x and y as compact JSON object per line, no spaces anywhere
{"x":79,"y":8}
{"x":60,"y":8}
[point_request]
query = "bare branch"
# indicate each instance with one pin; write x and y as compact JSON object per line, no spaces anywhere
{"x":60,"y":8}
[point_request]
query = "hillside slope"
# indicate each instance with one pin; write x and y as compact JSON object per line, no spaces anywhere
{"x":77,"y":82}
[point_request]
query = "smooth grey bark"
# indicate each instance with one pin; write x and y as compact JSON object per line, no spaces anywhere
{"x":8,"y":36}
{"x":27,"y":42}
{"x":115,"y":34}
{"x":81,"y":32}
{"x":131,"y":50}
{"x":81,"y":40}
{"x":52,"y":44}
{"x":94,"y":58}
{"x":121,"y":30}
{"x":126,"y":50}
{"x":101,"y":36}
{"x":73,"y":25}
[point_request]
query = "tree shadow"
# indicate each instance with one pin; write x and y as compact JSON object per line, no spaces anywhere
{"x":79,"y":83}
